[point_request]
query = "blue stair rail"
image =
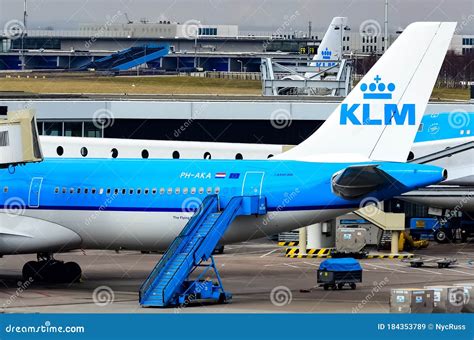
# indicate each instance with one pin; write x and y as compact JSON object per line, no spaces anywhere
{"x":209,"y":204}
{"x":168,"y":283}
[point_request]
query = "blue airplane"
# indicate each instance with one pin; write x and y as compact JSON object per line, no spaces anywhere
{"x":143,"y":204}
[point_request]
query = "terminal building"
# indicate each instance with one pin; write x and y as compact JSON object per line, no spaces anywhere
{"x":192,"y":45}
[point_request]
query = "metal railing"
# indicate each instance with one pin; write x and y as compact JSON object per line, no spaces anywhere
{"x":178,"y":241}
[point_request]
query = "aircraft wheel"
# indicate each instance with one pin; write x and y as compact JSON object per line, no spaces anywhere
{"x":73,"y":272}
{"x":31,"y":271}
{"x":441,"y":236}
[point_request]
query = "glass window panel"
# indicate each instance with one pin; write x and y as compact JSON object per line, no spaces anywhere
{"x":73,"y":129}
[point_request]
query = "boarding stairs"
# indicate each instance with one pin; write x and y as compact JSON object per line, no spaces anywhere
{"x":129,"y":58}
{"x":169,"y":284}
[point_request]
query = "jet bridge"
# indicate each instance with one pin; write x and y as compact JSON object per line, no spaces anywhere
{"x":169,"y":283}
{"x":19,"y":138}
{"x":306,"y":77}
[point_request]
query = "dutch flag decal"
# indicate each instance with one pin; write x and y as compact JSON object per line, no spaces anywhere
{"x":220,"y":175}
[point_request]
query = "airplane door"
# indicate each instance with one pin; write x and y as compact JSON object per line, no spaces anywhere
{"x":252,"y":185}
{"x":35,"y":189}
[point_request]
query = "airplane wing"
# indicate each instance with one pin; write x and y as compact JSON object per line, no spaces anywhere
{"x":25,"y":235}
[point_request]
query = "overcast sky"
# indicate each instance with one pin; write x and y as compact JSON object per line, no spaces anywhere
{"x":263,"y":15}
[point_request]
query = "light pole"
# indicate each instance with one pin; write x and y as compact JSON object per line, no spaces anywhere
{"x":241,"y":65}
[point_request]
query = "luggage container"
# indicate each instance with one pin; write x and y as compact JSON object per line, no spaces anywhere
{"x":447,"y":299}
{"x":468,"y":296}
{"x":411,"y":300}
{"x":336,"y":273}
{"x":350,"y":240}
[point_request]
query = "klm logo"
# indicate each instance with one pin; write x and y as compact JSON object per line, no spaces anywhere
{"x":360,"y":114}
{"x":326,"y":54}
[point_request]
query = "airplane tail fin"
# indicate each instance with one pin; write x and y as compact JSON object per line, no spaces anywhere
{"x":379,"y":119}
{"x":331,"y":45}
{"x":330,"y":49}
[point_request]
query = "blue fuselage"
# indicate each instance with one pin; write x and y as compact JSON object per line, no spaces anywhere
{"x":143,"y":204}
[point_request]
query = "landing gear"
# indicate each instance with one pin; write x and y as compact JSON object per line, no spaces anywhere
{"x":47,"y":269}
{"x":441,"y":236}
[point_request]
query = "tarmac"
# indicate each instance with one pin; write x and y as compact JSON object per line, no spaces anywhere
{"x":260,"y":277}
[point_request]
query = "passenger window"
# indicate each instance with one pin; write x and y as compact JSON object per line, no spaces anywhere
{"x":153,"y":191}
{"x":209,"y":190}
{"x":71,"y":190}
{"x":108,"y":191}
{"x":78,"y":190}
{"x":146,"y":191}
{"x":56,"y":190}
{"x":116,"y":191}
{"x":93,"y":191}
{"x":124,"y":191}
{"x":193,"y":190}
{"x":131,"y":191}
{"x":162,"y":191}
{"x":114,"y":153}
{"x":84,"y":151}
{"x":170,"y":191}
{"x":201,"y":190}
{"x":5,"y":189}
{"x":86,"y":190}
{"x":217,"y":190}
{"x":101,"y":191}
{"x":185,"y":191}
{"x":64,"y":190}
{"x":139,"y":191}
{"x":177,"y":190}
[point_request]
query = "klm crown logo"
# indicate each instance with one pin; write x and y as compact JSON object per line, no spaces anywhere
{"x":360,"y":114}
{"x":326,"y":54}
{"x":377,"y":90}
